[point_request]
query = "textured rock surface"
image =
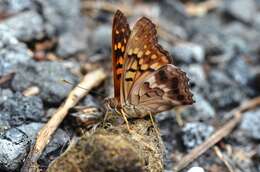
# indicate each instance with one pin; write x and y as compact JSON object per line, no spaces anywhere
{"x":47,"y":76}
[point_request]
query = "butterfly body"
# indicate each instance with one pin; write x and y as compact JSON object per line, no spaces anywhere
{"x":145,"y":80}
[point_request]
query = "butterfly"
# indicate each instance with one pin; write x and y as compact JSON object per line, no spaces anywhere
{"x":145,"y":80}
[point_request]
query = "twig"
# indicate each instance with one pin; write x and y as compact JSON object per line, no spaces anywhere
{"x":90,"y":81}
{"x":222,"y":158}
{"x":202,"y":8}
{"x":219,"y":134}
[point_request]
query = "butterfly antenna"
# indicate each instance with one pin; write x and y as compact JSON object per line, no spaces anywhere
{"x":70,"y":83}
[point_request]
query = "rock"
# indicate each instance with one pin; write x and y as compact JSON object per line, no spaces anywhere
{"x":240,"y":9}
{"x":12,"y":52}
{"x":13,"y":149}
{"x":59,"y":141}
{"x":251,"y":124}
{"x":60,"y":16}
{"x":196,"y":169}
{"x":100,"y":40}
{"x":239,"y":70}
{"x":25,"y":26}
{"x":20,"y":109}
{"x":70,"y":43}
{"x":5,"y":94}
{"x":222,"y":92}
{"x":195,"y":133}
{"x":188,"y":53}
{"x":201,"y":110}
{"x":47,"y":76}
{"x":9,"y":7}
{"x":89,"y":100}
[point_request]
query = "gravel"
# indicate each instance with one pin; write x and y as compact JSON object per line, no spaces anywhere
{"x":251,"y":124}
{"x":26,"y":26}
{"x":19,"y":109}
{"x":241,"y":9}
{"x":47,"y":76}
{"x":195,"y":133}
{"x":188,"y":53}
{"x":13,"y":148}
{"x":12,"y":52}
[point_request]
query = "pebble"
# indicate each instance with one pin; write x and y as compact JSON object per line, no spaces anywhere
{"x":26,"y":26}
{"x":12,"y":52}
{"x":223,"y":93}
{"x":239,"y":70}
{"x":195,"y":133}
{"x":60,"y":16}
{"x":70,"y":43}
{"x":19,"y":109}
{"x":16,"y":142}
{"x":188,"y":53}
{"x":100,"y":40}
{"x":251,"y":124}
{"x":47,"y":76}
{"x":13,"y":149}
{"x":240,"y":9}
{"x":14,"y":6}
{"x":59,"y":141}
{"x":196,"y":169}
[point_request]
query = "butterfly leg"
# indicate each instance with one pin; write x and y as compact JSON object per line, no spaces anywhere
{"x":179,"y":120}
{"x":125,"y":119}
{"x":153,"y":123}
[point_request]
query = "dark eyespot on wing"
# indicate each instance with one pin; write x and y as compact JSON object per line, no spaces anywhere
{"x":162,"y":75}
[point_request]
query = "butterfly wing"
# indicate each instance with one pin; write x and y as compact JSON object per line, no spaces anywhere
{"x":162,"y":90}
{"x":120,"y":36}
{"x":143,"y":56}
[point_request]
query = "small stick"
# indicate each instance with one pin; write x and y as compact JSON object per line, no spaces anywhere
{"x":90,"y":81}
{"x":219,"y":134}
{"x":222,"y":158}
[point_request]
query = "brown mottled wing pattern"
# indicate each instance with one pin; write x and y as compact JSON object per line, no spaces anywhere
{"x":162,"y":90}
{"x":143,"y":56}
{"x":120,"y":36}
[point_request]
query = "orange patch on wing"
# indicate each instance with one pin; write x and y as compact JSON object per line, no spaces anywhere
{"x":119,"y":71}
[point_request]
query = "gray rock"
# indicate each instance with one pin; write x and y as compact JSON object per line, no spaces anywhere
{"x":26,"y":26}
{"x":59,"y":141}
{"x":5,"y":94}
{"x":19,"y":109}
{"x":14,"y":6}
{"x":12,"y":52}
{"x":72,"y":42}
{"x":222,"y":92}
{"x":195,"y":133}
{"x":89,"y":100}
{"x":188,"y":53}
{"x":60,"y":16}
{"x":13,"y":149}
{"x":201,"y":110}
{"x":100,"y":39}
{"x":242,"y":10}
{"x":239,"y":70}
{"x":251,"y":124}
{"x":47,"y":76}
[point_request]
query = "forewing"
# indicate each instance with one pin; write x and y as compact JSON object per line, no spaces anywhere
{"x":120,"y":36}
{"x":142,"y":57}
{"x":162,"y":90}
